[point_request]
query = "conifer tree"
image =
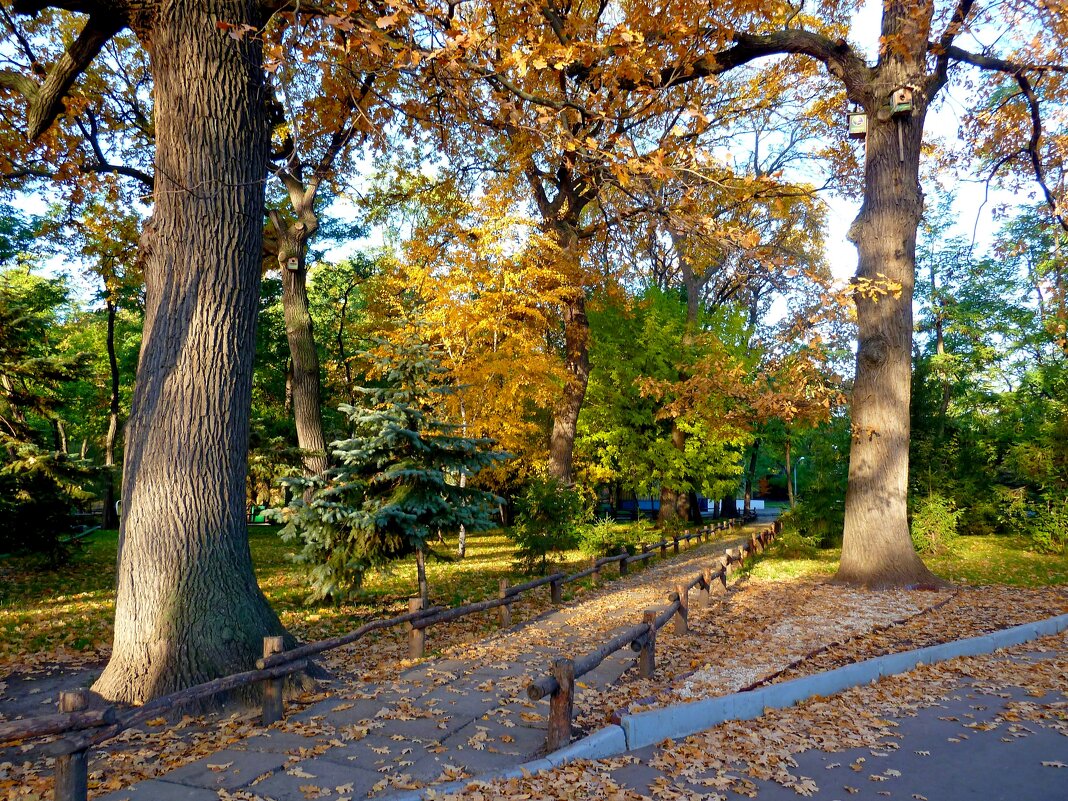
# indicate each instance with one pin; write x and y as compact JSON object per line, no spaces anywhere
{"x":397,"y":480}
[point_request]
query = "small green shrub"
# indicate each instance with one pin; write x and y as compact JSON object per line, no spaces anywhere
{"x":604,"y":537}
{"x":548,"y":516}
{"x":934,"y":524}
{"x":1048,"y":529}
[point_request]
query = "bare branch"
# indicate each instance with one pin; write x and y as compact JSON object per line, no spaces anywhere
{"x":999,"y":64}
{"x":1033,"y":149}
{"x":956,"y":22}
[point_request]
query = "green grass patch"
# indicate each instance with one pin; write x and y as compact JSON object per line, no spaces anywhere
{"x":1007,"y":560}
{"x":48,"y":611}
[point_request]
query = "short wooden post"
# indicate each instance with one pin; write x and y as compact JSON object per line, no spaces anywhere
{"x":416,"y":637}
{"x":504,"y":611}
{"x":647,"y":655}
{"x":72,"y":770}
{"x":561,"y":705}
{"x":556,"y":593}
{"x":663,"y":549}
{"x":704,"y":595}
{"x":596,"y":569}
{"x":681,"y":626}
{"x":676,"y":542}
{"x":273,"y":704}
{"x":624,"y":568}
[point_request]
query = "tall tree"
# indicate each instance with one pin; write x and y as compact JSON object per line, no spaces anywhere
{"x":188,"y":607}
{"x":918,"y":54}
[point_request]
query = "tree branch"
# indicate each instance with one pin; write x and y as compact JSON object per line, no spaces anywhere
{"x":956,"y":22}
{"x":838,"y":57}
{"x":999,"y":64}
{"x":1033,"y":149}
{"x":45,"y":102}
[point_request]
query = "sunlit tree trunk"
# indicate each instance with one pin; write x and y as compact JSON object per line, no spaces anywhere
{"x":188,"y":607}
{"x":110,"y":517}
{"x":877,"y":549}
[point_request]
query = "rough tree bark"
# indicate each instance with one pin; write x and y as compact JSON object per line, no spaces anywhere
{"x":188,"y":607}
{"x":877,"y":549}
{"x":304,"y":388}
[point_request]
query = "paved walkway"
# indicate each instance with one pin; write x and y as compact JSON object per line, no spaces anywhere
{"x":980,"y":742}
{"x":445,"y":719}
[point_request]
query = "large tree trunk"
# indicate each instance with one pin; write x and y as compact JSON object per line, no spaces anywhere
{"x":188,"y":607}
{"x":877,"y":550}
{"x":577,"y":364}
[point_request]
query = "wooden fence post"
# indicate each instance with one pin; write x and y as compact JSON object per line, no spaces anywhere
{"x":72,"y":770}
{"x":681,"y":626}
{"x":647,"y":655}
{"x":704,"y":595}
{"x":561,"y":705}
{"x":556,"y":593}
{"x":596,"y":570}
{"x":273,"y":703}
{"x":663,"y":549}
{"x":675,"y":538}
{"x":624,"y":568}
{"x":416,"y":637}
{"x":504,"y":611}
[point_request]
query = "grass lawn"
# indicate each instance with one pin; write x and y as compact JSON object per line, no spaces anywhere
{"x":65,"y":614}
{"x":970,"y":560}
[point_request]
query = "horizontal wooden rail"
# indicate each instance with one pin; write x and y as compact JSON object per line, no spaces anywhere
{"x":547,"y":685}
{"x":560,"y":683}
{"x":457,"y":612}
{"x":166,"y":703}
{"x":56,"y":724}
{"x":313,"y":648}
{"x":538,"y":582}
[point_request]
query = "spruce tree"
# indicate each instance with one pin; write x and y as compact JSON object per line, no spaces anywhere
{"x":396,"y":482}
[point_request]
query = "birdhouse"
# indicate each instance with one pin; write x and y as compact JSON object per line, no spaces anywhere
{"x":858,"y":125}
{"x":901,"y":102}
{"x":293,"y":263}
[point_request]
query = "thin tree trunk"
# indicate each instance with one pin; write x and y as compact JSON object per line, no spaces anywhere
{"x":789,"y":475}
{"x":420,"y":567}
{"x":750,"y":474}
{"x":188,"y":607}
{"x":111,"y":516}
{"x":877,"y":549}
{"x":674,"y":503}
{"x":577,"y":364}
{"x":306,"y":386}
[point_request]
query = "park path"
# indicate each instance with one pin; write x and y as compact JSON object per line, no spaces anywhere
{"x":466,"y":714}
{"x":459,"y":715}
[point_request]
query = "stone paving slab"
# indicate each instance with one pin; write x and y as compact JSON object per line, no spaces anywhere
{"x":280,"y":742}
{"x":156,"y":790}
{"x":317,"y":778}
{"x":227,"y":770}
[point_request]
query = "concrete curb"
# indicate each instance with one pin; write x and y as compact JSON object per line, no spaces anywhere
{"x":648,"y":728}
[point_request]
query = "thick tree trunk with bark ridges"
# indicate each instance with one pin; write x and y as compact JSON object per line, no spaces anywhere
{"x":188,"y":606}
{"x":877,"y":550}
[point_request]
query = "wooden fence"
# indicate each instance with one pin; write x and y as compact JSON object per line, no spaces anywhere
{"x":85,"y":728}
{"x":559,"y":684}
